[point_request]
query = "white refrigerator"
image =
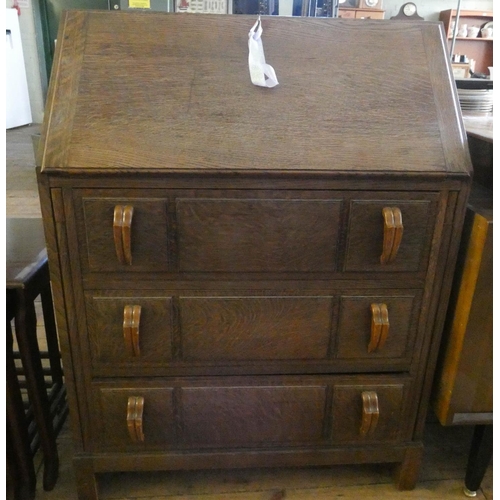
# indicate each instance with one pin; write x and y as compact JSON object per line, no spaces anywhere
{"x":17,"y":100}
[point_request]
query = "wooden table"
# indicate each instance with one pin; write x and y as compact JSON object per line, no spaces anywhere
{"x":463,"y":392}
{"x":27,"y":277}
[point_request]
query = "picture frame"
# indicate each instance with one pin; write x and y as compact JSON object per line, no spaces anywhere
{"x":202,"y":6}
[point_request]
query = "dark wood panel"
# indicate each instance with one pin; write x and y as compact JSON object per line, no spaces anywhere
{"x":148,"y":234}
{"x":158,"y":418}
{"x":355,"y":319}
{"x":246,"y":328}
{"x":253,"y":416}
{"x":105,"y":317}
{"x":254,"y":235}
{"x":348,"y":411}
{"x":207,"y":120}
{"x":366,"y":235}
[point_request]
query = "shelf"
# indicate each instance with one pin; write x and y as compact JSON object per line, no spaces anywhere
{"x":469,"y":13}
{"x":471,"y":39}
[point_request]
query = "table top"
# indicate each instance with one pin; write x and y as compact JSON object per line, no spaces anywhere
{"x":479,"y":126}
{"x":25,"y":250}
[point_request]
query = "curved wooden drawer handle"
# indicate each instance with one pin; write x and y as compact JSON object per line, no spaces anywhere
{"x":139,"y":409}
{"x":128,"y":213}
{"x":131,"y":324}
{"x":127,"y":328}
{"x":376,"y":328}
{"x":369,"y":418}
{"x":135,"y":409}
{"x":379,"y":327}
{"x":398,"y":232}
{"x":393,"y":233}
{"x":117,"y":233}
{"x":134,"y":331}
{"x":389,"y":233}
{"x":131,"y":418}
{"x":384,"y":318}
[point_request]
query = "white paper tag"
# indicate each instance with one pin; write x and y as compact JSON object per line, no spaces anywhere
{"x":259,"y":70}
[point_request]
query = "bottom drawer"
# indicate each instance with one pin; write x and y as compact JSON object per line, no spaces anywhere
{"x":250,"y":412}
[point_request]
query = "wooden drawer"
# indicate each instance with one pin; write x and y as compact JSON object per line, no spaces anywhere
{"x":157,"y":417}
{"x":257,"y":235}
{"x":203,"y":331}
{"x":254,"y":232}
{"x":113,"y":341}
{"x":368,"y":235}
{"x":255,"y":328}
{"x":263,"y":412}
{"x":362,"y":333}
{"x":350,"y":412}
{"x":297,"y":233}
{"x":149,"y":238}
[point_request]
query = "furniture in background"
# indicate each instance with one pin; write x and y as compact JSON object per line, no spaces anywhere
{"x":37,"y":423}
{"x":463,"y":386}
{"x":17,"y":102}
{"x":247,"y":276}
{"x":358,"y":13}
{"x":476,"y":47}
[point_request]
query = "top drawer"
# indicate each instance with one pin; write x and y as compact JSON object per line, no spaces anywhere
{"x":255,"y":232}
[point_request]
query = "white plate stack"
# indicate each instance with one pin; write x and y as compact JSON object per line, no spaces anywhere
{"x":476,"y":100}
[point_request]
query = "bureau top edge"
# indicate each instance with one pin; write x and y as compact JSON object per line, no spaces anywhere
{"x":154,"y":92}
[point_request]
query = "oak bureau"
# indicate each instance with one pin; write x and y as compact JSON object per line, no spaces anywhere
{"x":247,"y":276}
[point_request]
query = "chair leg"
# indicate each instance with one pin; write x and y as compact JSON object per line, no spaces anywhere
{"x":19,"y":457}
{"x":25,"y":321}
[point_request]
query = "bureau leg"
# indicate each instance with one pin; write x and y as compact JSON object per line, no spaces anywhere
{"x":86,"y":483}
{"x":407,"y":471}
{"x":480,"y":455}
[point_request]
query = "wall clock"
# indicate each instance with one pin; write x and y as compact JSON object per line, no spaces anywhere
{"x":408,"y":12}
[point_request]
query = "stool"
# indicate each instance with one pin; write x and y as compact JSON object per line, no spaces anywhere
{"x":27,"y":276}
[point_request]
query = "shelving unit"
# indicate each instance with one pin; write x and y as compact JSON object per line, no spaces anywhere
{"x":480,"y":49}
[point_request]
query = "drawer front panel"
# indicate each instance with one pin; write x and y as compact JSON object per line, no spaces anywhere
{"x":366,"y":236}
{"x":148,"y":234}
{"x":360,"y":334}
{"x":206,"y":333}
{"x":157,"y":418}
{"x":252,"y":412}
{"x":350,"y":413}
{"x":111,"y":342}
{"x":253,"y":328}
{"x":255,"y":235}
{"x":253,"y":416}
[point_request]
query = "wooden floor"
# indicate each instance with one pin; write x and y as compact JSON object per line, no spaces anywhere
{"x":441,"y":476}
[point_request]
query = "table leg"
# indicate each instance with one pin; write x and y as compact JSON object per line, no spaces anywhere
{"x":480,"y":455}
{"x":25,"y":322}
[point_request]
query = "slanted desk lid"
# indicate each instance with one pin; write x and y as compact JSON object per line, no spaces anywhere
{"x":172,"y":92}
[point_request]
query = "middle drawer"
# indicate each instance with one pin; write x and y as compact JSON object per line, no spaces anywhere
{"x":134,"y":334}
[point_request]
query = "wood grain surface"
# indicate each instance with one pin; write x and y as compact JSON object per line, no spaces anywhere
{"x":257,"y":235}
{"x":163,"y":92}
{"x":273,"y":328}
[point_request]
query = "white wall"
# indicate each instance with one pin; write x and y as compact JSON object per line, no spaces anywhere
{"x":428,"y":9}
{"x":28,"y":39}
